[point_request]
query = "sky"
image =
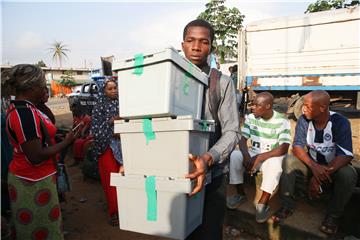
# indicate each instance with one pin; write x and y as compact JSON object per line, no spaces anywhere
{"x":91,"y":29}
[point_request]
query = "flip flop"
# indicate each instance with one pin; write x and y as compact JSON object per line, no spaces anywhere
{"x":329,"y":225}
{"x":281,"y":214}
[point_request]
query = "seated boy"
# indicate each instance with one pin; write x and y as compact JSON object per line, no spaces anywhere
{"x":269,"y":133}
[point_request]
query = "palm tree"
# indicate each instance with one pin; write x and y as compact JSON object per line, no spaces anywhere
{"x":58,"y":50}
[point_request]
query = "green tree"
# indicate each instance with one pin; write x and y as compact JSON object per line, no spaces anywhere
{"x":67,"y":79}
{"x":40,"y":63}
{"x":59,"y":50}
{"x":226,"y":23}
{"x":323,"y":5}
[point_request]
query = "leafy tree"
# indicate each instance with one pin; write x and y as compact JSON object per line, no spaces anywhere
{"x":67,"y":79}
{"x":323,"y":5}
{"x":40,"y":63}
{"x":59,"y":50}
{"x":226,"y":23}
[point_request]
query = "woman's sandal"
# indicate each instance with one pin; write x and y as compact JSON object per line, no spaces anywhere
{"x":329,"y":225}
{"x":114,"y":220}
{"x":280,"y":215}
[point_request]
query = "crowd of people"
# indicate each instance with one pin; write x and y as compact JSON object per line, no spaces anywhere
{"x":322,"y":149}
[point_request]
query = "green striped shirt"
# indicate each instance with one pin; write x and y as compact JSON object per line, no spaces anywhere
{"x":266,"y":135}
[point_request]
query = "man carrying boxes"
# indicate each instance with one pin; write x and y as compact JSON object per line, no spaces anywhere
{"x":198,"y":37}
{"x":157,"y":195}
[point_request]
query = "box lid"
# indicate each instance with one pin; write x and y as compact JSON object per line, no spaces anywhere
{"x":165,"y":184}
{"x":167,"y":54}
{"x":167,"y":124}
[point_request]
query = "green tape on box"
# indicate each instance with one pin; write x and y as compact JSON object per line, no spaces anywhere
{"x":150,"y":184}
{"x":197,"y":196}
{"x":138,"y":64}
{"x":148,"y":130}
{"x":186,"y":82}
{"x":204,"y":125}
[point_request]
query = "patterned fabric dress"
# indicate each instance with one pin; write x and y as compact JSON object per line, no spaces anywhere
{"x":107,"y":149}
{"x":104,"y":109}
{"x":36,"y":212}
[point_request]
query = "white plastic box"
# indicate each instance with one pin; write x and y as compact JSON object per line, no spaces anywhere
{"x":167,"y":154}
{"x":167,"y":84}
{"x":177,"y":214}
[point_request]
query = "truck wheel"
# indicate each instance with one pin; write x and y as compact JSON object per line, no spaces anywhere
{"x":298,"y":107}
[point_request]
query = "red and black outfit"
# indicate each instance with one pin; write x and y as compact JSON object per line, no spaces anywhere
{"x":32,"y":188}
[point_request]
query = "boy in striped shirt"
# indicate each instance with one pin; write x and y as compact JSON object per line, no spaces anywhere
{"x":269,"y":135}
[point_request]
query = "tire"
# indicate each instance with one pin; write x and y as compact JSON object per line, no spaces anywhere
{"x":298,"y":107}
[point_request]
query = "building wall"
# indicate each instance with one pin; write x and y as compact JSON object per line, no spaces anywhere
{"x":53,"y":75}
{"x":80,"y":76}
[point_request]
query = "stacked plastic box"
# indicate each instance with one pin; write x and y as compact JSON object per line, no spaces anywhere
{"x":160,"y":95}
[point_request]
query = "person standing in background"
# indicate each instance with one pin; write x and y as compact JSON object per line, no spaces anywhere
{"x":107,"y":146}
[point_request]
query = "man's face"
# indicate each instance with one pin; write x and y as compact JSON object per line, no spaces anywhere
{"x":197,"y":45}
{"x":259,"y":107}
{"x":311,"y":109}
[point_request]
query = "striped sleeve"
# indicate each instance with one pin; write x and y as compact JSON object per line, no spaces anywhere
{"x":24,"y":124}
{"x":284,"y":134}
{"x":245,"y":130}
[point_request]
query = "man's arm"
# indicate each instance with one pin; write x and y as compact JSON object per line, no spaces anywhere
{"x":244,"y":150}
{"x":276,"y":152}
{"x":343,"y":141}
{"x":339,"y":162}
{"x":319,"y":171}
{"x":283,"y":140}
{"x":229,"y":121}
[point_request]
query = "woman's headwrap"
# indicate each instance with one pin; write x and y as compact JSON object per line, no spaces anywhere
{"x":104,"y":109}
{"x":23,"y":77}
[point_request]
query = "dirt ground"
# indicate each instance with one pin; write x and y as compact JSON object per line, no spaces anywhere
{"x":85,"y":215}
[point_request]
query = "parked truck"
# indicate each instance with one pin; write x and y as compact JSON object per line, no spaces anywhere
{"x":290,"y":56}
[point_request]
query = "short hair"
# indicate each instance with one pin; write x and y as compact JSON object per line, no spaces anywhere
{"x":235,"y":68}
{"x":200,"y":23}
{"x":266,"y":97}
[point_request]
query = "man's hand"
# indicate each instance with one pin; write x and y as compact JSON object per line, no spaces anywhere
{"x":253,"y":164}
{"x":321,"y":173}
{"x":201,"y":165}
{"x":314,"y":188}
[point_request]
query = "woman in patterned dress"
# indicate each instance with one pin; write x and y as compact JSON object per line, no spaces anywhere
{"x":107,"y":147}
{"x":35,"y":209}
